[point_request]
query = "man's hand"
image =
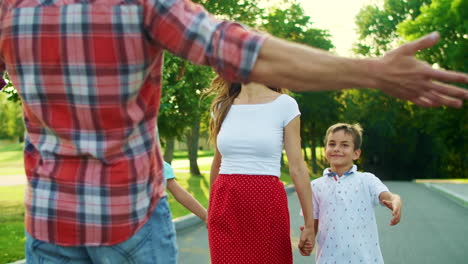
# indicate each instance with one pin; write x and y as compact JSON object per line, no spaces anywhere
{"x":401,"y":75}
{"x":307,"y":241}
{"x":395,"y":206}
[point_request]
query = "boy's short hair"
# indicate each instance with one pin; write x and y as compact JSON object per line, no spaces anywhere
{"x":354,"y":130}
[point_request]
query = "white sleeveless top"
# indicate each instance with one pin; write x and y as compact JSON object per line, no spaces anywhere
{"x":251,"y":137}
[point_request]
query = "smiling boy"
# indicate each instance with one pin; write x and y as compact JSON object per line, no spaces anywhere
{"x":344,"y":201}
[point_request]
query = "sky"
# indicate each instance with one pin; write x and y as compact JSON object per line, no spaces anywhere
{"x":338,"y":17}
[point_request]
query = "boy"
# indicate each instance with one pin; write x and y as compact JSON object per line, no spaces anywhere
{"x":181,"y":195}
{"x":344,"y":201}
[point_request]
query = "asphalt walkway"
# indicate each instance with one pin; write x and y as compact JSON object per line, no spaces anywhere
{"x":433,"y":229}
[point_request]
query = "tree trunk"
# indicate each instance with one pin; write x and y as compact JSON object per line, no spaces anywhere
{"x":312,"y":148}
{"x":282,"y":160}
{"x":192,"y":145}
{"x":169,"y":150}
{"x":304,"y":151}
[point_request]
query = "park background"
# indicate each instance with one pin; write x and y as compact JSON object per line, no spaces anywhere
{"x":402,"y":142}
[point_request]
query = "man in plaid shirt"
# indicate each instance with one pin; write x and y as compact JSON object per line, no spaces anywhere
{"x":89,"y":77}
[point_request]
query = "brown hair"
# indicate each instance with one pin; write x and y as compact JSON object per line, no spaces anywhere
{"x":225,"y":93}
{"x":354,"y":130}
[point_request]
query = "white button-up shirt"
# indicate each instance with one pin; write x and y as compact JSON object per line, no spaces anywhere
{"x":344,"y":206}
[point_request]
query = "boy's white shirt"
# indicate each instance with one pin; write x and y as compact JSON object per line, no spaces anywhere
{"x":344,"y":205}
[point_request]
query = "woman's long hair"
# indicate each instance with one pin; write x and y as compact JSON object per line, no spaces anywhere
{"x":225,"y":93}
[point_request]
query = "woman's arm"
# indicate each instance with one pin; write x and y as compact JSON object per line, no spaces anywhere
{"x":300,"y":176}
{"x":186,"y":199}
{"x":215,"y":164}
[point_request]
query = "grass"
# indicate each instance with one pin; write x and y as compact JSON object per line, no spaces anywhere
{"x":11,"y":159}
{"x":12,"y":227}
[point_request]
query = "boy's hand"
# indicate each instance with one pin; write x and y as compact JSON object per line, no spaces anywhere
{"x":395,"y":205}
{"x":307,"y":241}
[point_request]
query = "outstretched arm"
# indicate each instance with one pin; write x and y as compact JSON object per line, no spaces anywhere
{"x":300,"y":176}
{"x":394,"y":203}
{"x":398,"y":73}
{"x":186,"y":199}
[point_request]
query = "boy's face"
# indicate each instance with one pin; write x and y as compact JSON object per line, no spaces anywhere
{"x":339,"y":149}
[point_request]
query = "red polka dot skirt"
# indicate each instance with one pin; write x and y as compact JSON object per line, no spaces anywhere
{"x":248,"y":221}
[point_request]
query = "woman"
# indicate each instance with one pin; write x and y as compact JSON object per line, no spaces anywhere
{"x":248,"y":219}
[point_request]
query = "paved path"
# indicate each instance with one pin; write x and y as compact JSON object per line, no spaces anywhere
{"x":10,"y":180}
{"x":434,"y":229}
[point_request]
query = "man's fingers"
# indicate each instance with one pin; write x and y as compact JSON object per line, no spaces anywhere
{"x":425,"y":42}
{"x":448,"y":76}
{"x":456,"y":94}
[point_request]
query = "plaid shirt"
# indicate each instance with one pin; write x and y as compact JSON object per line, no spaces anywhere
{"x":89,"y":76}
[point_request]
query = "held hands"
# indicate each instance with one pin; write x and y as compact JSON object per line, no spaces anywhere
{"x":307,"y":241}
{"x":395,"y":206}
{"x":401,"y":75}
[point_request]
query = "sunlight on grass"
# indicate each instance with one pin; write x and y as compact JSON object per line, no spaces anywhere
{"x":12,"y":227}
{"x":11,"y":159}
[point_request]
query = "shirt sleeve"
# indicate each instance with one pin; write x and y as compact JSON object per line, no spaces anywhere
{"x":376,"y":187}
{"x":187,"y":30}
{"x":289,"y":109}
{"x":168,"y":171}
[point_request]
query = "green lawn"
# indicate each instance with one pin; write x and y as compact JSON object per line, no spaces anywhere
{"x":12,"y":227}
{"x":11,"y":159}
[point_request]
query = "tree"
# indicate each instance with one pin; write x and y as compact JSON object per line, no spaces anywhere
{"x":450,"y":126}
{"x":11,"y":115}
{"x":403,"y":141}
{"x":376,"y":26}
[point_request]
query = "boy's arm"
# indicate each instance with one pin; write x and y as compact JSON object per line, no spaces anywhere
{"x":186,"y":199}
{"x":300,"y":176}
{"x":394,"y":203}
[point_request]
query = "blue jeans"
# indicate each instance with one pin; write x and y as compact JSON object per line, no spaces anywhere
{"x":154,"y":243}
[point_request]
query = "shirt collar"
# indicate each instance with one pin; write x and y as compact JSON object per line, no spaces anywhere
{"x":329,"y":173}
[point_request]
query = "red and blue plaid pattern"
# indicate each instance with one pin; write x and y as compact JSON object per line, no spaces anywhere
{"x":89,"y":76}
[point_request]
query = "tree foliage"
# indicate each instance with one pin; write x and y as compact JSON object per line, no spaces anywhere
{"x":403,"y":141}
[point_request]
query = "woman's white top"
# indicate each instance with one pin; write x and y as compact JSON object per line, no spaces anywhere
{"x":251,"y":137}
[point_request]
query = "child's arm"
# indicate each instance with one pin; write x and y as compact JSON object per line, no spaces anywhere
{"x":394,"y":203}
{"x":186,"y":199}
{"x":300,"y":176}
